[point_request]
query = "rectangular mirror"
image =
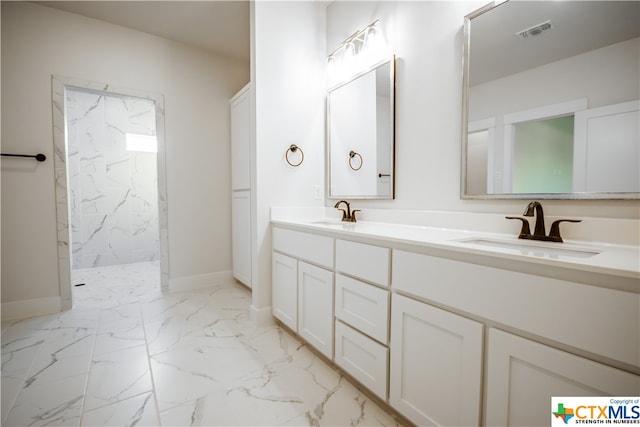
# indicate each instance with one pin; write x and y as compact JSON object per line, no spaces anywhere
{"x":360,"y":135}
{"x":551,"y":101}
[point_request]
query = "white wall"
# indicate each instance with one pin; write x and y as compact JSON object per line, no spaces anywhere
{"x":38,"y":42}
{"x":289,"y":86}
{"x":605,"y":76}
{"x":427,"y":38}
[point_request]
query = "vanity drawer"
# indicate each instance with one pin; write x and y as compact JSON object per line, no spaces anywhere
{"x":363,"y":306}
{"x":366,"y":262}
{"x":363,"y":358}
{"x":309,"y":247}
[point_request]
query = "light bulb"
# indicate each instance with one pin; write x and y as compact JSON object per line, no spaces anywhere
{"x":349,"y":52}
{"x":374,"y":42}
{"x":331,"y":65}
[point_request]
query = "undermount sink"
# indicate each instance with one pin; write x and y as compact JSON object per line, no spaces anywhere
{"x":334,"y":223}
{"x":534,"y":248}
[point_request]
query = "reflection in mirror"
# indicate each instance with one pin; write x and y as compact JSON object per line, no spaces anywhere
{"x":552,"y":100}
{"x":361,"y":135}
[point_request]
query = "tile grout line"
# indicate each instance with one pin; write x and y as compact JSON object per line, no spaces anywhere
{"x":86,"y":381}
{"x":153,"y":382}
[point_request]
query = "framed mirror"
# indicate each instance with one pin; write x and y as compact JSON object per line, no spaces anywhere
{"x":551,"y":101}
{"x":360,"y":135}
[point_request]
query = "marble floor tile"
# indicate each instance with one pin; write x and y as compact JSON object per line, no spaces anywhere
{"x":57,"y":403}
{"x":127,"y":355}
{"x":136,"y":411}
{"x":118,"y":375}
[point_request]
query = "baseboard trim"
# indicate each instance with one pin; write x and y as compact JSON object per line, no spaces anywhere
{"x":261,"y":317}
{"x":200,"y":281}
{"x":30,"y":307}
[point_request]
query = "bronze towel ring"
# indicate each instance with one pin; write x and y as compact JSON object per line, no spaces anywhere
{"x":353,"y":154}
{"x":292,"y":149}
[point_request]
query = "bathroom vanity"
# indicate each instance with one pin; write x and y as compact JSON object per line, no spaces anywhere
{"x":451,"y":327}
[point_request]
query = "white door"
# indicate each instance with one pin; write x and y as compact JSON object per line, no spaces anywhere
{"x":607,"y":149}
{"x":315,"y":305}
{"x":241,"y":236}
{"x":285,"y":290}
{"x":436,"y":364}
{"x":523,"y":376}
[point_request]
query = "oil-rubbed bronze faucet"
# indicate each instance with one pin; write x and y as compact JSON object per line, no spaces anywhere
{"x":539,"y":233}
{"x":539,"y":229}
{"x":348,"y":215}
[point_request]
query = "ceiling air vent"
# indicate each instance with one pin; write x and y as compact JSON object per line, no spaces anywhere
{"x":536,"y":30}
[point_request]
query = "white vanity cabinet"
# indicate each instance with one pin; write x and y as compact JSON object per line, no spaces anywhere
{"x":302,"y":286}
{"x":436,"y":364}
{"x":452,"y":338}
{"x":523,"y":376}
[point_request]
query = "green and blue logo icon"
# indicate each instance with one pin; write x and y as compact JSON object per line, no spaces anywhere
{"x":564,"y":413}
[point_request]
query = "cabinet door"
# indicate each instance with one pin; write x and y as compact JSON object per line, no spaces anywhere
{"x":241,"y":236}
{"x":315,"y":307}
{"x":523,"y":376}
{"x":285,"y":290}
{"x":436,"y":364}
{"x":240,"y":141}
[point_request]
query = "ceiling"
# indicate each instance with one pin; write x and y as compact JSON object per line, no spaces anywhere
{"x":577,"y":27}
{"x":220,"y":27}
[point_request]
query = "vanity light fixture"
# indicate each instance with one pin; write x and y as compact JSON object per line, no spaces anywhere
{"x":359,"y":51}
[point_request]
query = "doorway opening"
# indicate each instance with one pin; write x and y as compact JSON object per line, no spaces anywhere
{"x":110,"y":175}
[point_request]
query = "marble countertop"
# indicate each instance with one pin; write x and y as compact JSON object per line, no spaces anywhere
{"x":614,"y":260}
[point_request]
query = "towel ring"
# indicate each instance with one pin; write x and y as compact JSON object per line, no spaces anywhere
{"x":353,"y":154}
{"x":292,"y":149}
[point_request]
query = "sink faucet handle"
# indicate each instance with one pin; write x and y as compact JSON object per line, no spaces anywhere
{"x":554,"y":233}
{"x":353,"y":215}
{"x":525,"y":231}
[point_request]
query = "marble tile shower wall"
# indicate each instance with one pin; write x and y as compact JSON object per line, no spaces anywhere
{"x":113,"y":205}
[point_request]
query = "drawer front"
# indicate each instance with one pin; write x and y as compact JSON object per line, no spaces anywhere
{"x":363,"y":306}
{"x":309,"y":247}
{"x":363,"y":358}
{"x":366,"y":262}
{"x":483,"y":290}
